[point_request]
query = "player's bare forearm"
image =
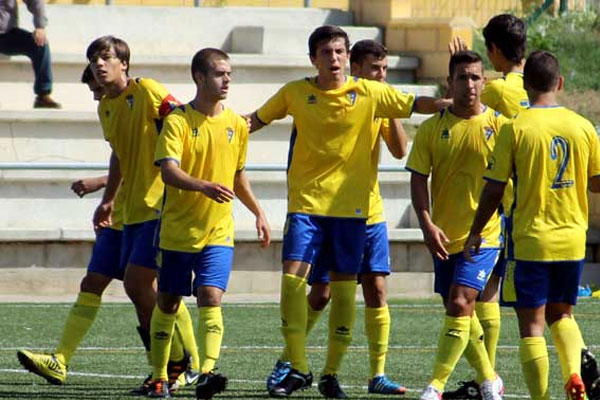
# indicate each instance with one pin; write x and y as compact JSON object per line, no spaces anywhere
{"x":431,"y":105}
{"x":396,"y":141}
{"x":243,"y":191}
{"x":594,"y":184}
{"x":255,"y":123}
{"x":113,"y":181}
{"x":490,"y":199}
{"x":172,"y":175}
{"x":419,"y":194}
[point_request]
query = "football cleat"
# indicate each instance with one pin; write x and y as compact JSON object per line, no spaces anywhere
{"x":144,"y":388}
{"x":210,"y":384}
{"x":590,"y":374}
{"x":191,"y":377}
{"x":575,"y":388}
{"x":280,"y":371}
{"x":177,"y":368}
{"x":329,"y":387}
{"x":466,"y":391}
{"x":48,"y":366}
{"x":431,"y":393}
{"x":382,"y":385}
{"x":492,"y":389}
{"x":158,"y":389}
{"x":294,"y":380}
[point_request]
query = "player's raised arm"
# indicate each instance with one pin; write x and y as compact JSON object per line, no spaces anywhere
{"x":430,"y":105}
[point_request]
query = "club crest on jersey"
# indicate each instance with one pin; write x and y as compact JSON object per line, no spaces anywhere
{"x":194,"y":132}
{"x":312,"y":99}
{"x":352,"y":97}
{"x":491,"y":163}
{"x":229,"y":134}
{"x":129,"y":100}
{"x":445,"y":134}
{"x":488,"y":132}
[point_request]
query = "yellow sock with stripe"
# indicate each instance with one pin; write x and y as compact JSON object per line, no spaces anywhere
{"x":210,"y":336}
{"x":452,"y":343}
{"x":162,"y":327}
{"x":185,"y":327}
{"x":377,"y":329}
{"x":567,"y":340}
{"x":81,"y":317}
{"x":312,"y":318}
{"x":535,"y":365}
{"x":341,"y":323}
{"x":489,"y":317}
{"x":476,"y":353}
{"x":293,"y":306}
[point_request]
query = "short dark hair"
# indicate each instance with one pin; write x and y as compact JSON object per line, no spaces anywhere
{"x":541,"y":72}
{"x":105,"y":43}
{"x":87,"y":76}
{"x":509,"y":34}
{"x":326,"y":33}
{"x":464,"y":57}
{"x":363,"y":48}
{"x":201,"y":62}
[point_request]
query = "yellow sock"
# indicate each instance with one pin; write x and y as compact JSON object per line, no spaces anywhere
{"x":567,"y":340}
{"x":210,"y":336}
{"x":341,"y":323}
{"x":452,"y":342}
{"x":80,"y":319}
{"x":583,"y":345}
{"x":186,"y":331}
{"x":535,"y":366}
{"x":312,"y":318}
{"x":162,"y":327}
{"x":293,"y":306}
{"x":476,"y":353}
{"x":177,"y":353}
{"x":489,"y":317}
{"x":377,"y":328}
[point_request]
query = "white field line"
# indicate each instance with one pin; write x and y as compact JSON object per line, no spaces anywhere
{"x":266,"y":347}
{"x":249,"y":381}
{"x":225,"y":305}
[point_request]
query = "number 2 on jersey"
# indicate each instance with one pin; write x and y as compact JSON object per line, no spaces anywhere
{"x":559,"y":150}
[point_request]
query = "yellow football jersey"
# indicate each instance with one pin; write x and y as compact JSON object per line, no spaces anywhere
{"x":552,"y":151}
{"x":207,"y":148}
{"x":506,"y":94}
{"x":329,"y":160}
{"x":455,"y":152}
{"x":131,"y":123}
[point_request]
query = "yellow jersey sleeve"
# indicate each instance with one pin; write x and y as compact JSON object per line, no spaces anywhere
{"x":276,"y":107}
{"x":243,"y":135}
{"x":491,"y":95}
{"x":390,"y":103}
{"x":506,"y":95}
{"x":171,"y":140}
{"x":594,"y":164}
{"x":499,"y":166}
{"x":159,"y":101}
{"x":420,"y":157}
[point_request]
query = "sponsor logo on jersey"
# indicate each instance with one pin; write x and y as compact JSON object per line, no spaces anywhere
{"x":481,"y":275}
{"x":312,"y":99}
{"x":445,"y":134}
{"x":129,"y":101}
{"x":491,"y":163}
{"x":194,"y":132}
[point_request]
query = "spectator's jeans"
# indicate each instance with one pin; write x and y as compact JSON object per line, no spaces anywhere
{"x":19,"y":41}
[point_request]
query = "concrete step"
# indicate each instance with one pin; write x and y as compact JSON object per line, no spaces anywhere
{"x":288,"y":39}
{"x":42,"y":200}
{"x":76,"y":136}
{"x":181,"y":31}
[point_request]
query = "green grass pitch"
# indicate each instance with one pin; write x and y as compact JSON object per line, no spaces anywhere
{"x":111,"y":361}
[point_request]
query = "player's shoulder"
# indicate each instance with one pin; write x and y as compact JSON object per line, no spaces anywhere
{"x":433,"y":123}
{"x":235,"y":118}
{"x":148,"y":84}
{"x":179,"y":113}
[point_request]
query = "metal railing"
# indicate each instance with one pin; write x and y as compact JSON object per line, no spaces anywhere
{"x":75,"y":166}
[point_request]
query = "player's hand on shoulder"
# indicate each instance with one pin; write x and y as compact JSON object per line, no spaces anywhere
{"x":435,"y":238}
{"x":217,"y":192}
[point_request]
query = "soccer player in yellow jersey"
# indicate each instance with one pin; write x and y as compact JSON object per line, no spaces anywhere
{"x":454,"y":146}
{"x":368,"y":60}
{"x":553,"y":156}
{"x":202,"y":153}
{"x":130,"y":113}
{"x":329,"y":181}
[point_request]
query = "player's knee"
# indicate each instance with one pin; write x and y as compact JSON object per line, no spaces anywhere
{"x":374,"y":291}
{"x":459,"y":306}
{"x":319,"y":296}
{"x":95,"y":284}
{"x":209,"y":296}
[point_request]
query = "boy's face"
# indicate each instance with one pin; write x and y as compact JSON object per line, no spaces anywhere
{"x":372,"y":68}
{"x":467,"y":83}
{"x":215,"y":84}
{"x":331,"y":58}
{"x":106,"y":67}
